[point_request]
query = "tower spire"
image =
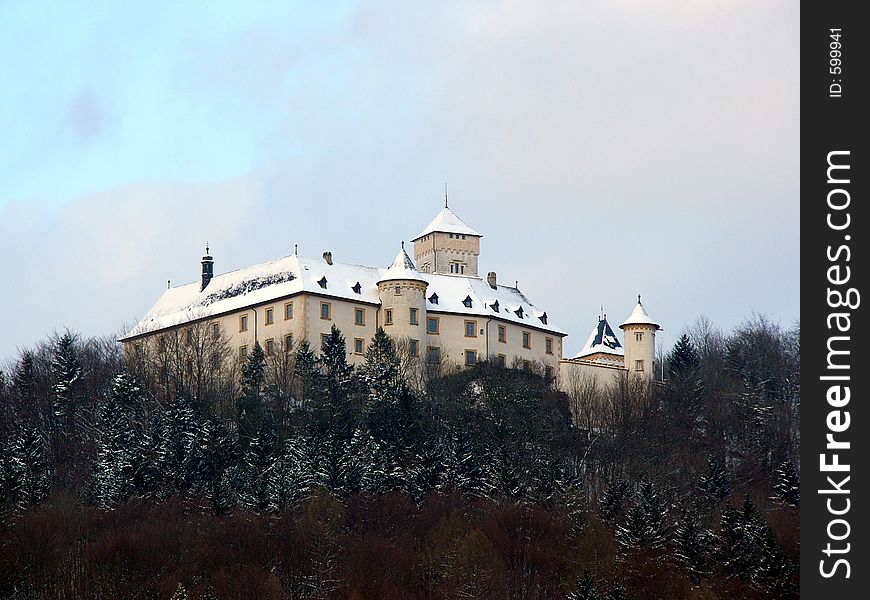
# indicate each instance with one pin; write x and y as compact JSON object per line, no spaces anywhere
{"x":445,"y":194}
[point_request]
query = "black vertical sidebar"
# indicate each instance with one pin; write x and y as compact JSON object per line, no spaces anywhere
{"x":834,"y":334}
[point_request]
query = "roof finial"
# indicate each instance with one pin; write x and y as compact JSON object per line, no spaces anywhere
{"x":403,"y":244}
{"x":638,"y":298}
{"x":445,"y":194}
{"x":296,"y":249}
{"x":206,"y":247}
{"x":168,"y":283}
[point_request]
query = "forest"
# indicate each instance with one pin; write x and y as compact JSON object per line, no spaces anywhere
{"x":184,"y":473}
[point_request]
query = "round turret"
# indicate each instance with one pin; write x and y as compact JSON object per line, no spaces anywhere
{"x":640,"y":341}
{"x":402,"y":292}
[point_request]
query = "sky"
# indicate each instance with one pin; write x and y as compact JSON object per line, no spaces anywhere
{"x":604,"y":150}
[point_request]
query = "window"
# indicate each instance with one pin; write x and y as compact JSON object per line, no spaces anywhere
{"x":463,"y":236}
{"x":432,"y":325}
{"x":215,"y":330}
{"x":457,"y":268}
{"x":638,"y":365}
{"x":288,"y":342}
{"x":501,"y":360}
{"x":243,"y":323}
{"x":494,"y":306}
{"x":548,"y":345}
{"x":270,"y":315}
{"x":322,"y":283}
{"x":243,"y":352}
{"x":357,"y":288}
{"x":433,"y":354}
{"x":470,"y":357}
{"x":543,"y":318}
{"x":138,"y":348}
{"x":414,"y":348}
{"x":433,"y":298}
{"x":325,"y":311}
{"x":288,"y":311}
{"x":519,"y":312}
{"x":161,"y":345}
{"x":502,"y":334}
{"x":270,"y":347}
{"x":467,"y":302}
{"x":638,"y":337}
{"x":548,"y":374}
{"x":324,"y":338}
{"x":188,"y":337}
{"x":413,"y":316}
{"x":358,"y":345}
{"x":527,"y":366}
{"x":359,"y":316}
{"x":471,"y":329}
{"x":527,"y":339}
{"x":398,"y":290}
{"x":388,"y":316}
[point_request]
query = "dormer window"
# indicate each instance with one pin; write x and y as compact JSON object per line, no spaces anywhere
{"x":543,"y":318}
{"x":433,"y":298}
{"x":519,"y":312}
{"x":357,"y":288}
{"x":322,"y":282}
{"x":467,"y":302}
{"x":494,"y":306}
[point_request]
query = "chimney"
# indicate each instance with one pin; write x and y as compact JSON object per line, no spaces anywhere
{"x":327,"y":256}
{"x":491,"y":280}
{"x":207,"y":269}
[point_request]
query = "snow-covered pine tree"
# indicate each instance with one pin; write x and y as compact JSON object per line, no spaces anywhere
{"x":384,"y":473}
{"x":67,"y":371}
{"x":250,"y":403}
{"x":292,"y":472}
{"x":739,"y":533}
{"x":217,"y":454}
{"x":179,"y":445}
{"x":380,"y":372}
{"x":27,"y":471}
{"x":464,"y":468}
{"x":304,"y":371}
{"x":24,"y":382}
{"x":427,"y":469}
{"x":586,"y":589}
{"x":716,"y":484}
{"x":788,"y":484}
{"x":645,"y":527}
{"x":259,"y":460}
{"x":692,"y":544}
{"x":613,"y":499}
{"x":113,"y":468}
{"x":180,"y":593}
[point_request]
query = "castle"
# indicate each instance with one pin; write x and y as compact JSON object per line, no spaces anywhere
{"x":436,"y":304}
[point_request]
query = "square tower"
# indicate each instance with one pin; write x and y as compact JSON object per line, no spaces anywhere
{"x":447,"y":246}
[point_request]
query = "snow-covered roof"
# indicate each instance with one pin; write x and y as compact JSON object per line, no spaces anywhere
{"x":639,"y":316}
{"x":294,"y":274}
{"x":602,"y":340}
{"x":402,"y":268}
{"x":447,"y":222}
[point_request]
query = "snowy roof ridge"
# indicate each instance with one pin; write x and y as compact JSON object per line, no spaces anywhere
{"x":447,"y":221}
{"x":639,"y":316}
{"x":602,"y":340}
{"x":284,"y":277}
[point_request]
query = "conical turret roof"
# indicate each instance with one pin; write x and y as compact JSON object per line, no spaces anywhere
{"x":402,"y":268}
{"x":446,"y":222}
{"x":602,"y":340}
{"x":639,"y":316}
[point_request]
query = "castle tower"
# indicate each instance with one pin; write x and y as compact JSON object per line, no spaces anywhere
{"x":402,"y":292}
{"x":640,"y":341}
{"x":207,"y":269}
{"x":447,"y":246}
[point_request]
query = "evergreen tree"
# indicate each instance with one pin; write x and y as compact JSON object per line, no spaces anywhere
{"x":645,"y":526}
{"x":179,"y":445}
{"x":259,"y":462}
{"x":24,"y":383}
{"x":305,"y":370}
{"x":250,"y":404}
{"x":613,"y":499}
{"x":716,"y":484}
{"x":683,"y":360}
{"x":586,"y":589}
{"x":67,"y":371}
{"x":292,"y":472}
{"x":28,"y":472}
{"x":380,"y":372}
{"x":788,"y":484}
{"x":692,"y":547}
{"x":113,"y":473}
{"x":217,"y":454}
